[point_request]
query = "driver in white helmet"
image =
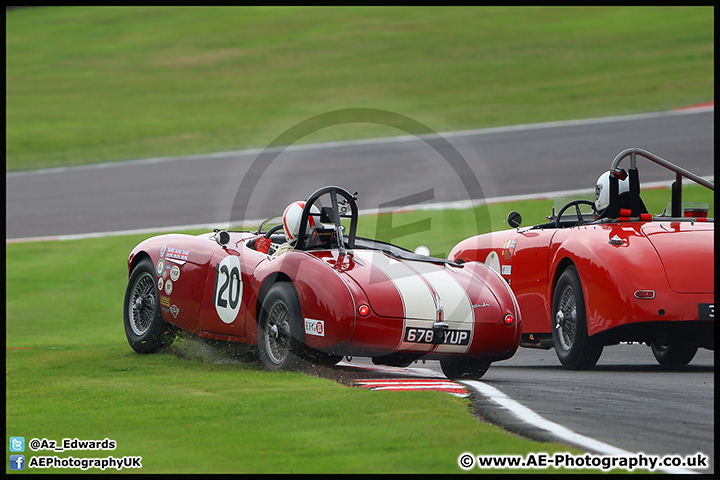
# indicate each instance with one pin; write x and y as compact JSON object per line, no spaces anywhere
{"x":624,"y":200}
{"x":291,"y":225}
{"x":602,"y":192}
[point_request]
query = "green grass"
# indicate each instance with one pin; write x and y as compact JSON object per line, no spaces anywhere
{"x":71,"y":374}
{"x":189,"y":416}
{"x":93,"y":84}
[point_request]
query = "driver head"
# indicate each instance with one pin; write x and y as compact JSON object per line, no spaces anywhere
{"x":291,"y":220}
{"x":602,"y":190}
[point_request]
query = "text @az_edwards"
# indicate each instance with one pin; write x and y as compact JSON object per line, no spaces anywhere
{"x":19,"y":462}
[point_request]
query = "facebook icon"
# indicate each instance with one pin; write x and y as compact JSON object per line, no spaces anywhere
{"x":17,"y":462}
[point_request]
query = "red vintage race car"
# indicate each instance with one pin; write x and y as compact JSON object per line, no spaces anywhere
{"x":309,"y":289}
{"x":614,"y":274}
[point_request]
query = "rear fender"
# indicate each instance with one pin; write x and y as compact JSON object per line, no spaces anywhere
{"x":323,"y":295}
{"x":495,"y":339}
{"x":613,"y":262}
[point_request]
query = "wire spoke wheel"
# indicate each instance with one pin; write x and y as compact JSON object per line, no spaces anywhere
{"x":277,"y":339}
{"x":575,"y":349}
{"x":142,"y":304}
{"x":145,"y":328}
{"x":281,"y":340}
{"x":566,"y":318}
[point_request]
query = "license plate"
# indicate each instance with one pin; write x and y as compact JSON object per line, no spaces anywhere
{"x":441,"y":337}
{"x":706,"y":311}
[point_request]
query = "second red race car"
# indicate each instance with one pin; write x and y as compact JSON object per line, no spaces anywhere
{"x":309,"y":289}
{"x":587,"y":279}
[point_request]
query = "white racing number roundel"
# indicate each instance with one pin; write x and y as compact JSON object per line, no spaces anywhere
{"x":228,"y":288}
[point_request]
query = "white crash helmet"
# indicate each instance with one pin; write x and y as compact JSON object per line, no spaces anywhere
{"x":602,"y":190}
{"x":291,"y":220}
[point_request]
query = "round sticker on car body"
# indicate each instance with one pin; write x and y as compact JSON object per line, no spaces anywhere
{"x":174,"y":273}
{"x":160,"y":267}
{"x":228,"y":289}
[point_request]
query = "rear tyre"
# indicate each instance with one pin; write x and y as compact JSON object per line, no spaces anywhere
{"x":674,"y":354}
{"x":396,"y":359}
{"x":280,"y":339}
{"x":320,"y":358}
{"x":464,"y":368}
{"x":575,"y":349}
{"x":145,"y":328}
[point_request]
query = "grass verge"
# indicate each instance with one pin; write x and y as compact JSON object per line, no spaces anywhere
{"x":190,"y":416}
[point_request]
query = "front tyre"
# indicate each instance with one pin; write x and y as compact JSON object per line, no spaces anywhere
{"x":279,"y":334}
{"x":674,"y":354}
{"x":464,"y":368}
{"x":145,"y":328}
{"x":575,"y":349}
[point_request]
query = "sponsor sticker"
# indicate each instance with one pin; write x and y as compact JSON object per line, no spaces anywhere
{"x":508,"y":247}
{"x":160,"y":267}
{"x":168,"y":287}
{"x":174,"y":273}
{"x":315,"y":327}
{"x":177,"y":253}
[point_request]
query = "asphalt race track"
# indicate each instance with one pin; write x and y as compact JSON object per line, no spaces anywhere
{"x":202,"y":190}
{"x":627,"y":401}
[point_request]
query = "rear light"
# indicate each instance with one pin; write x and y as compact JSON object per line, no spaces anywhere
{"x":509,"y":319}
{"x":645,"y":294}
{"x":364,"y":310}
{"x":695,"y":213}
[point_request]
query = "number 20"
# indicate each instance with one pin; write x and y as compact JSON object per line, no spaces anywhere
{"x":231,"y":284}
{"x":228,"y":288}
